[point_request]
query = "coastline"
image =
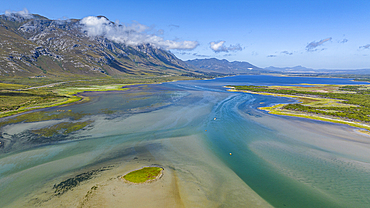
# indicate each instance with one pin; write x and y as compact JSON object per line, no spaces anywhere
{"x":277,"y":109}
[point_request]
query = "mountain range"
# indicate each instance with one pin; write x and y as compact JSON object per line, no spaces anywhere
{"x":304,"y":70}
{"x":34,"y":46}
{"x":37,"y":46}
{"x":226,"y":67}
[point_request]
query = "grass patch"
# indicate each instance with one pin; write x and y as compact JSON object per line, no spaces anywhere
{"x":143,"y":175}
{"x":5,"y":86}
{"x":43,"y":116}
{"x":61,"y":128}
{"x":323,"y":88}
{"x":12,"y":100}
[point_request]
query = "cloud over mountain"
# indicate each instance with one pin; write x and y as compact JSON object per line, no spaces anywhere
{"x":133,"y":34}
{"x":313,"y":45}
{"x":23,"y":13}
{"x":220,"y":47}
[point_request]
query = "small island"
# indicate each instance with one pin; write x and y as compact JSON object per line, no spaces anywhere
{"x":144,"y":175}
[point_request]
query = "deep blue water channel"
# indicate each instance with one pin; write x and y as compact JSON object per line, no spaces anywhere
{"x":233,"y":132}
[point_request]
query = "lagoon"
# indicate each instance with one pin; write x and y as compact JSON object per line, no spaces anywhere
{"x":189,"y":128}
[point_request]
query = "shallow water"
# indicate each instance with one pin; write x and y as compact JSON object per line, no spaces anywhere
{"x":288,"y":161}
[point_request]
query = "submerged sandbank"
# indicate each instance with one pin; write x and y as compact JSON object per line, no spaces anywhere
{"x":194,"y":178}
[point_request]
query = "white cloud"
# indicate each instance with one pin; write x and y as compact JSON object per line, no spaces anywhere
{"x":24,"y":13}
{"x":287,"y":53}
{"x":313,"y":45}
{"x":217,"y":46}
{"x":345,"y":40}
{"x":193,"y":54}
{"x":367,"y":46}
{"x":220,"y":47}
{"x":133,"y":35}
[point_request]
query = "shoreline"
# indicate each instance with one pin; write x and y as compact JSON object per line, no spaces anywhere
{"x":72,"y":95}
{"x":277,"y":109}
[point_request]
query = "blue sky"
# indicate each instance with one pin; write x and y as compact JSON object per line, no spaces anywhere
{"x":315,"y":34}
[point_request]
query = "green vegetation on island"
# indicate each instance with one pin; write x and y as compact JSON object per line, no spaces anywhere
{"x":143,"y":175}
{"x":43,"y":116}
{"x":62,"y":126}
{"x":347,"y":104}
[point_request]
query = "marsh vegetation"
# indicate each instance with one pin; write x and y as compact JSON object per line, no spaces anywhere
{"x":19,"y":95}
{"x":343,"y":101}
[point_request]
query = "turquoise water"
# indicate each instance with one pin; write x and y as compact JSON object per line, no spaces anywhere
{"x":289,"y":162}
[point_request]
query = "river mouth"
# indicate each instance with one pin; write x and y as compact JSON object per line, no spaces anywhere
{"x":275,"y":160}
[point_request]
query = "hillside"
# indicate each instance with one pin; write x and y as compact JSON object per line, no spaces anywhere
{"x":35,"y":46}
{"x":225,"y":67}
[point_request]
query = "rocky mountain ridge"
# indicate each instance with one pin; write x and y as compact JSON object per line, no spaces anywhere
{"x":35,"y":46}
